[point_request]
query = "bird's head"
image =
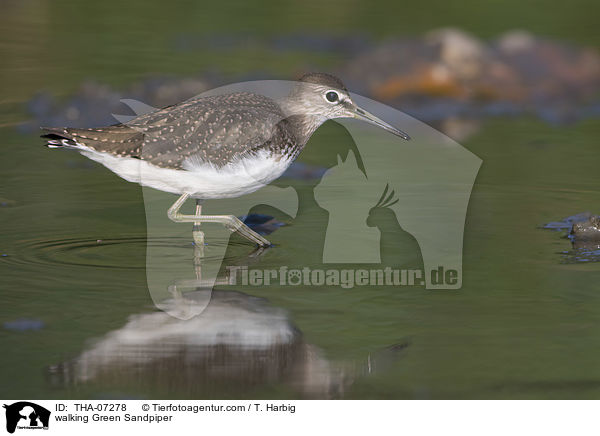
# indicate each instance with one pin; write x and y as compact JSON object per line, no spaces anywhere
{"x":324,"y":96}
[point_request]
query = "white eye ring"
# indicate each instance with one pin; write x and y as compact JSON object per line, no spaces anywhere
{"x":333,"y":94}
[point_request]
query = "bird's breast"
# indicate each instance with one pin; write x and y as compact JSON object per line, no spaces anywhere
{"x":241,"y":176}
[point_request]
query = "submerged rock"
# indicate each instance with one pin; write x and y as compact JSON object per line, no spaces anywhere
{"x":587,"y":231}
{"x":262,"y":224}
{"x":567,"y":223}
{"x":583,"y":229}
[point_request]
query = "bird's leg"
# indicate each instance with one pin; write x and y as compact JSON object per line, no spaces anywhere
{"x":198,"y":236}
{"x":197,"y":233}
{"x":233,"y":223}
{"x":173,"y":212}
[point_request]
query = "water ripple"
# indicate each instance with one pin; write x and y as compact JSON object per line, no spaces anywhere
{"x":126,"y":252}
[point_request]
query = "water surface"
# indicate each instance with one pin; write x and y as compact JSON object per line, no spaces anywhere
{"x":73,"y":246}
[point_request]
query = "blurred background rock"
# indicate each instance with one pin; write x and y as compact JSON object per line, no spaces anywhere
{"x":69,"y":63}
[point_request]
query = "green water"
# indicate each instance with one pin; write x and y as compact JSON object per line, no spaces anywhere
{"x":524,"y":324}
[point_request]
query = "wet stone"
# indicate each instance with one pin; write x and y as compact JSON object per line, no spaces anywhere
{"x":587,"y":231}
{"x":583,"y":229}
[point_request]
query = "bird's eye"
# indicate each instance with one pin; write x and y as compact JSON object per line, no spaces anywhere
{"x":332,"y":96}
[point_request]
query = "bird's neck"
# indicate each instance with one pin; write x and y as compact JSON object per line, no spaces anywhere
{"x":302,"y":118}
{"x":303,"y":126}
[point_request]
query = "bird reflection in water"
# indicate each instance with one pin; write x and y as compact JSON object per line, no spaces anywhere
{"x":238,"y":342}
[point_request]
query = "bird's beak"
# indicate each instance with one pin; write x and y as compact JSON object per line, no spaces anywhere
{"x":362,"y":114}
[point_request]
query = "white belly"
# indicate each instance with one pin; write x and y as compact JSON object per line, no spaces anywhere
{"x":200,"y":180}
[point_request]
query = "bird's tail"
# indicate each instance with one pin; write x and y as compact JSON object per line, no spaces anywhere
{"x":59,"y":138}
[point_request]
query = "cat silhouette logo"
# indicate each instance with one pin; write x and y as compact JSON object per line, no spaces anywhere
{"x":26,"y":415}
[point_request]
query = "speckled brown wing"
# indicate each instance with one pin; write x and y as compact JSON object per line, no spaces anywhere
{"x":216,"y":129}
